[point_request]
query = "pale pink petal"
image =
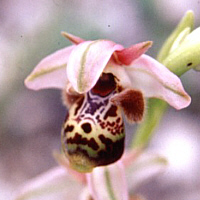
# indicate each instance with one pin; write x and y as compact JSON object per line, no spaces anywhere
{"x":126,"y":56}
{"x":85,"y":195}
{"x":91,"y":186}
{"x":145,"y":167}
{"x":53,"y":184}
{"x":74,"y":39}
{"x":155,"y":80}
{"x":108,"y":182}
{"x":130,"y":156}
{"x":87,"y":61}
{"x":50,"y":72}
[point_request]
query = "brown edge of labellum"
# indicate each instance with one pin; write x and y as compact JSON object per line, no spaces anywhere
{"x":105,"y":85}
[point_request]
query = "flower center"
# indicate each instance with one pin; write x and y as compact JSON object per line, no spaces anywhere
{"x":93,"y":133}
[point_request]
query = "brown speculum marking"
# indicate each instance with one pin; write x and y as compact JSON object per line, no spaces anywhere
{"x":79,"y":104}
{"x":86,"y":127}
{"x":93,"y":134}
{"x":111,"y":112}
{"x":79,"y":139}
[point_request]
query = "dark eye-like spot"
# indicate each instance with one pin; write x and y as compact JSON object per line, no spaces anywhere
{"x":69,"y":128}
{"x":189,"y":64}
{"x":86,"y":127}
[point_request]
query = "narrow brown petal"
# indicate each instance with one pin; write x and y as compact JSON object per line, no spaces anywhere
{"x":132,"y":103}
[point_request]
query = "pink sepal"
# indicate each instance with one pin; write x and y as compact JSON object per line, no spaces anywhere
{"x":127,"y":55}
{"x":50,"y":72}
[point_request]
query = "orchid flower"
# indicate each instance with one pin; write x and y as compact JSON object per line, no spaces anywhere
{"x":117,"y":181}
{"x":99,"y":80}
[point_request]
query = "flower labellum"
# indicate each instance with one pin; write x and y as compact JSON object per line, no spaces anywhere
{"x":100,"y":79}
{"x":93,"y":133}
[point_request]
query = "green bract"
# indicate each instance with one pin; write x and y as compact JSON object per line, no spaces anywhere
{"x":186,"y":55}
{"x":187,"y":21}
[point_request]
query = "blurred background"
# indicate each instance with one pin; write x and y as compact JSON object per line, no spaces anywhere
{"x":30,"y":122}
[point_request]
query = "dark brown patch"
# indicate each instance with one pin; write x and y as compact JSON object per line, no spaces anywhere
{"x":189,"y":64}
{"x":107,"y":141}
{"x":116,"y":128}
{"x":112,"y":124}
{"x":102,"y":124}
{"x":118,"y":120}
{"x":112,"y":112}
{"x":120,"y":88}
{"x":105,"y":85}
{"x":132,"y":103}
{"x":78,"y":139}
{"x":92,"y":143}
{"x":112,"y":152}
{"x":86,"y":127}
{"x":69,"y":128}
{"x":79,"y":104}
